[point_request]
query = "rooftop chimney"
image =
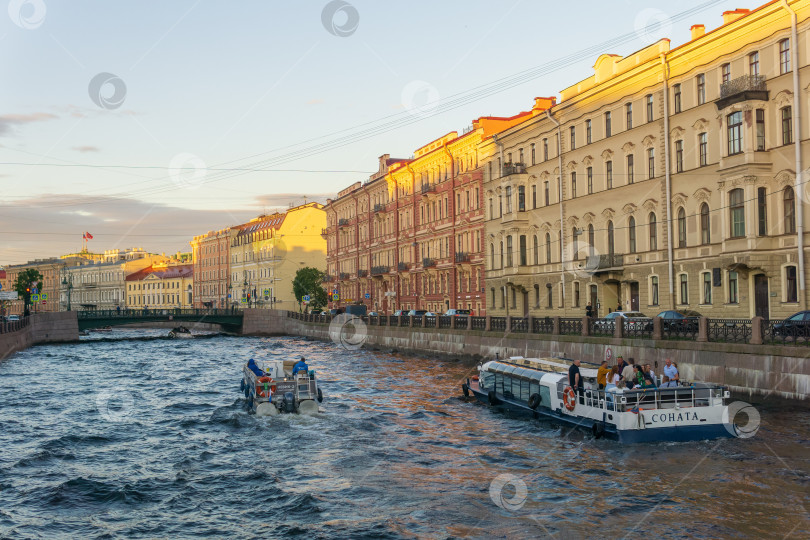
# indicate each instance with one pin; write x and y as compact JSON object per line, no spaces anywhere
{"x":730,"y":16}
{"x":698,"y":30}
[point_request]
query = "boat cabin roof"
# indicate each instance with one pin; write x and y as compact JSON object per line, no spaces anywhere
{"x":535,"y":368}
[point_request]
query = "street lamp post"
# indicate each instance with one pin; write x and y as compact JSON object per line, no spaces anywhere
{"x":67,"y":280}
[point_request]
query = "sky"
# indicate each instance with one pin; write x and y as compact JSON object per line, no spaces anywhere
{"x":148,"y":122}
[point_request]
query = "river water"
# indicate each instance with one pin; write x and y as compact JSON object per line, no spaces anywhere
{"x":150,"y":438}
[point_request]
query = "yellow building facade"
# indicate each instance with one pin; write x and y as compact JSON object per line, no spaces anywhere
{"x":161,"y":286}
{"x":666,"y":180}
{"x":266,"y":253}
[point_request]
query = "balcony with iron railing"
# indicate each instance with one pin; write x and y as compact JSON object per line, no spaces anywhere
{"x":603,"y":262}
{"x":362,"y":273}
{"x":343,"y":276}
{"x":342,"y":222}
{"x":328,"y":279}
{"x":462,"y":257}
{"x":513,"y":168}
{"x":379,"y":207}
{"x":403,"y":267}
{"x":427,"y":262}
{"x":428,"y":188}
{"x":380,"y":270}
{"x":745,"y":88}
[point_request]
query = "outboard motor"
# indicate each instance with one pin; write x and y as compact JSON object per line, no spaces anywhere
{"x":288,"y":402}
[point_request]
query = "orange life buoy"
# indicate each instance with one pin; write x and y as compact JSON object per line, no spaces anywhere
{"x":475,"y":377}
{"x":262,"y":383}
{"x":569,"y":398}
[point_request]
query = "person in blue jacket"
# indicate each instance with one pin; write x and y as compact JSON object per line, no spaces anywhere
{"x":301,"y":365}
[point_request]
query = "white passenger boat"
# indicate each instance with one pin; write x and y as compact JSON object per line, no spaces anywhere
{"x":539,"y":387}
{"x":271,"y":388}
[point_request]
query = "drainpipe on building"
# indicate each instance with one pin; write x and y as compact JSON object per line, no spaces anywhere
{"x":797,"y":141}
{"x":560,"y":191}
{"x":668,"y":177}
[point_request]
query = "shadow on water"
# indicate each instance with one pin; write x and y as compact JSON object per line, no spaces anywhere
{"x":139,"y":436}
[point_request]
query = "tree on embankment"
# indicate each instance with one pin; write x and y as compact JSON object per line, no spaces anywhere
{"x":26,"y":281}
{"x":308,"y":282}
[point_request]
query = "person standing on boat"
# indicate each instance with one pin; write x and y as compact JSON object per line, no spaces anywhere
{"x":628,"y":374}
{"x":575,"y":379}
{"x":301,"y":366}
{"x":613,"y":378}
{"x":671,"y":371}
{"x":601,"y":374}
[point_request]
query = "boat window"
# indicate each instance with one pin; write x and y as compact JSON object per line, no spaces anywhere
{"x":486,"y":379}
{"x":499,"y":383}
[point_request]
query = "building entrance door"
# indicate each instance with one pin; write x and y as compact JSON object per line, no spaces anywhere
{"x":761,"y":308}
{"x":634,"y":296}
{"x":526,"y":304}
{"x":594,"y":301}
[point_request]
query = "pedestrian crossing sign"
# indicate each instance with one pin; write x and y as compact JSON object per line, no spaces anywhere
{"x":35,"y":298}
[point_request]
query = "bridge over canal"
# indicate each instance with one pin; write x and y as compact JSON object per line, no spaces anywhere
{"x":229,"y":320}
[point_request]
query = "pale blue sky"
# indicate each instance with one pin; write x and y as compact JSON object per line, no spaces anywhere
{"x":226,"y":80}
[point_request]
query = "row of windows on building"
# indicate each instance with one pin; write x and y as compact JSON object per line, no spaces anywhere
{"x":154,"y":285}
{"x":708,"y":280}
{"x":737,"y":229}
{"x":700,"y":88}
{"x":156,"y":299}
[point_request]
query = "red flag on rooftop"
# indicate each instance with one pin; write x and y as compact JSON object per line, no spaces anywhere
{"x":88,"y":235}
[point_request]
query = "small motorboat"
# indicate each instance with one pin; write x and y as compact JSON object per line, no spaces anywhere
{"x":180,"y":332}
{"x":539,"y":387}
{"x":272,"y":387}
{"x":103,"y":329}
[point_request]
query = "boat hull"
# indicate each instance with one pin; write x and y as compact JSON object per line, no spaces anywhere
{"x":630,"y":436}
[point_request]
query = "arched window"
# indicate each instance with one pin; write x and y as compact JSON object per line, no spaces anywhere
{"x":501,"y":266}
{"x":536,"y":255}
{"x":681,"y":227}
{"x":611,"y":245}
{"x":705,"y":230}
{"x":653,"y":232}
{"x":492,"y":256}
{"x":631,"y":230}
{"x":789,"y":200}
{"x":736,"y":206}
{"x":548,"y":248}
{"x":575,"y":244}
{"x":591,"y":241}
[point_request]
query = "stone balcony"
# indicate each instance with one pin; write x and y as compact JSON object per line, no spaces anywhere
{"x":745,"y":88}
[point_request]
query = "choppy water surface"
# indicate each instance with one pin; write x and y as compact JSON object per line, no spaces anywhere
{"x":150,"y":439}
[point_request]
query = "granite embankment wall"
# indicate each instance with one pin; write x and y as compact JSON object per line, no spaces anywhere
{"x":41,"y":328}
{"x":761,"y":370}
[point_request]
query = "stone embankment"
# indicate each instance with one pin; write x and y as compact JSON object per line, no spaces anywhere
{"x":38,"y":328}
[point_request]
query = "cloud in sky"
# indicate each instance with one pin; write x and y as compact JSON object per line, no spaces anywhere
{"x":85,"y":148}
{"x":7,"y":121}
{"x":51,"y":225}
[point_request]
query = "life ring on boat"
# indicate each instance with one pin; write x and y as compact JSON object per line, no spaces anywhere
{"x":474,"y":377}
{"x":465,"y":389}
{"x":534,"y":401}
{"x":320,"y":395}
{"x":261,"y":383}
{"x":493,"y":398}
{"x":569,"y":398}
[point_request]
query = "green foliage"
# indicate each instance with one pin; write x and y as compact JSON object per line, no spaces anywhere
{"x":27,"y":279}
{"x":308,"y":281}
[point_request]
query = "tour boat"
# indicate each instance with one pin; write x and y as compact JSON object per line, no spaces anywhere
{"x":180,"y":332}
{"x":539,"y":388}
{"x":271,"y":388}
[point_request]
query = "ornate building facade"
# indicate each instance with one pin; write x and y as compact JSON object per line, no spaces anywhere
{"x":666,"y":180}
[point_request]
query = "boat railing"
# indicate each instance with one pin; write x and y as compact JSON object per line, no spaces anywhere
{"x":652,"y":398}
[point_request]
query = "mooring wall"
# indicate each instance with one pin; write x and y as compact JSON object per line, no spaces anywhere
{"x":762,"y":370}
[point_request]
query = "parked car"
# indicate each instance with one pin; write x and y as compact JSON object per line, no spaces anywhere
{"x":634,"y":318}
{"x":401,"y":312}
{"x":429,"y":314}
{"x":316,"y":311}
{"x":337,"y":311}
{"x":797,"y":325}
{"x":458,"y":312}
{"x":356,"y":309}
{"x":373,"y":313}
{"x":13,"y":318}
{"x":417,"y":312}
{"x":683,"y":320}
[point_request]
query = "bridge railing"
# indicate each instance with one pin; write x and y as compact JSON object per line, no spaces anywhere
{"x":7,"y":327}
{"x":128,"y":313}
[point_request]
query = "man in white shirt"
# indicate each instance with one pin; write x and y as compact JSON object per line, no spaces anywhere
{"x":671,"y":371}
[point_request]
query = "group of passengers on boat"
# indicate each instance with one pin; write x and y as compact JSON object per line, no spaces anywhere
{"x":625,"y":375}
{"x":301,"y":365}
